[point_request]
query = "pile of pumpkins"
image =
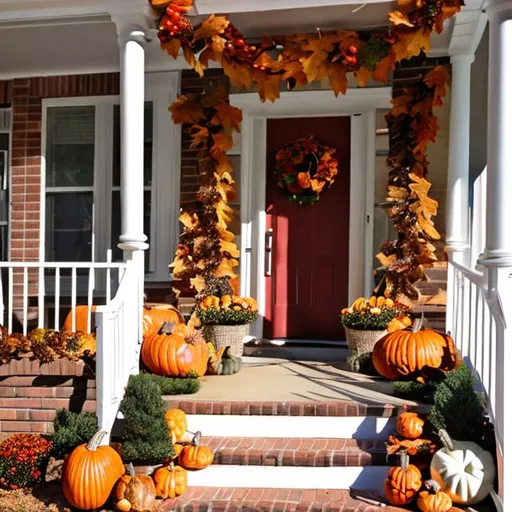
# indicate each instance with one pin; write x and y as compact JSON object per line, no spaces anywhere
{"x":460,"y":473}
{"x":406,"y":353}
{"x":174,"y":349}
{"x":93,"y":473}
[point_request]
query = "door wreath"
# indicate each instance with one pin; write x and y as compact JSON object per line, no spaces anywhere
{"x":304,"y":169}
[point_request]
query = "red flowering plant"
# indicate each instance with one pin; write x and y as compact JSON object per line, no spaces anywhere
{"x":23,"y":460}
{"x":304,"y":169}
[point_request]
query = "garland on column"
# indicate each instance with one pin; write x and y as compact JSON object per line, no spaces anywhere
{"x":207,"y":254}
{"x":412,"y":125}
{"x":303,"y":59}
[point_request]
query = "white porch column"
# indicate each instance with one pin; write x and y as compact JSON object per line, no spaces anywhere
{"x":497,"y":256}
{"x":133,"y":240}
{"x":458,"y":162}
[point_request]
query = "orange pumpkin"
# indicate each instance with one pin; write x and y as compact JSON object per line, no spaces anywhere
{"x":409,"y":425}
{"x":90,"y":473}
{"x":402,"y":483}
{"x":156,"y":315}
{"x":401,"y":353}
{"x":134,"y":493}
{"x":176,"y":419}
{"x":170,"y":481}
{"x":196,"y":457}
{"x":176,"y":352}
{"x":449,"y":352}
{"x":433,"y":499}
{"x":82,"y":313}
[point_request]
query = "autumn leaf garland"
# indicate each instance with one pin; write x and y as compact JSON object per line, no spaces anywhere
{"x":304,"y":58}
{"x":412,"y":125}
{"x":207,"y":249}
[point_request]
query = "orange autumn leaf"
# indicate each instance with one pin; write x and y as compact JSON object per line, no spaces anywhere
{"x":172,"y":48}
{"x":223,"y":141}
{"x":226,"y":268}
{"x":412,"y":44}
{"x":228,"y":116}
{"x":384,"y":260}
{"x":383,"y":68}
{"x":362,"y":76}
{"x":400,"y":105}
{"x":269,"y":86}
{"x":304,"y":179}
{"x":198,"y":283}
{"x":230,"y":248}
{"x":447,"y":12}
{"x":317,"y":186}
{"x":210,"y":27}
{"x":189,"y":221}
{"x":239,"y":75}
{"x":338,"y":80}
{"x":439,"y":78}
{"x":186,"y":110}
{"x":224,"y":212}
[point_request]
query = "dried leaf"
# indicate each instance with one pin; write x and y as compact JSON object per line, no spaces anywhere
{"x":172,"y":48}
{"x":227,"y":116}
{"x":240,"y":76}
{"x":186,"y":110}
{"x":198,"y":283}
{"x":212,"y":26}
{"x":411,"y":45}
{"x":399,"y":18}
{"x":362,"y":76}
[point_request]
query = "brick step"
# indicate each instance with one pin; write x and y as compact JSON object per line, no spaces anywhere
{"x":270,"y":408}
{"x":296,"y":452}
{"x":25,"y":424}
{"x":72,"y":403}
{"x":431,"y":287}
{"x":274,"y":500}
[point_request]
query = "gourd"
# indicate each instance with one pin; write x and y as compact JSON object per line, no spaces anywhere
{"x":176,"y":419}
{"x":90,"y":473}
{"x":170,"y":481}
{"x":433,"y":499}
{"x":463,"y":469}
{"x":196,"y":457}
{"x":176,"y":350}
{"x":156,"y":315}
{"x":402,"y":353}
{"x":402,"y":482}
{"x":134,"y":493}
{"x":223,"y":362}
{"x":409,"y":425}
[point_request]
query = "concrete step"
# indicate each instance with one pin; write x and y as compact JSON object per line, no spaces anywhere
{"x":321,"y":452}
{"x":274,"y":500}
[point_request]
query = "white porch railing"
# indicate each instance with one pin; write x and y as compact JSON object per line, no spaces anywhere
{"x":118,"y":320}
{"x":479,"y":317}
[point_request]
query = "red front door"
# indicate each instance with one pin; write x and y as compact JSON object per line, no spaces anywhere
{"x":307,"y":285}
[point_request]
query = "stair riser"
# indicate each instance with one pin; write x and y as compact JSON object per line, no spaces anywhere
{"x":293,"y":427}
{"x":268,"y":477}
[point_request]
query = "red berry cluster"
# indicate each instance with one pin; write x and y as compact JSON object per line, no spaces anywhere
{"x":350,"y":56}
{"x":237,"y":47}
{"x":174,"y":24}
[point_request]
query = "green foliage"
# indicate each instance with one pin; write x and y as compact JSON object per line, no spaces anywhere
{"x":212,"y":316}
{"x":170,"y":386}
{"x":372,"y":53}
{"x":368,"y":322}
{"x":217,"y":286}
{"x":456,"y":406}
{"x":362,"y":363}
{"x":146,"y":434}
{"x":71,"y":429}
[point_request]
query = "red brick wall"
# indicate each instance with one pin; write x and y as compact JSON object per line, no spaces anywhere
{"x":26,"y":101}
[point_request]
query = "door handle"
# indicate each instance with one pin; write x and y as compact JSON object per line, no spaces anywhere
{"x":269,"y":247}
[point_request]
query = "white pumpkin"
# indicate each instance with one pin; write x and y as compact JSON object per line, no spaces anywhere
{"x":464,"y":470}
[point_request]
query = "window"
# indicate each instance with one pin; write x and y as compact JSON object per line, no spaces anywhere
{"x":77,"y":185}
{"x":70,"y":183}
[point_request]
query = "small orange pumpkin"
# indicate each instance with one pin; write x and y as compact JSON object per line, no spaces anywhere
{"x":90,"y":473}
{"x":409,"y":425}
{"x":134,"y":493}
{"x":82,"y":313}
{"x":176,"y":419}
{"x":196,"y":457}
{"x":170,"y":481}
{"x":402,"y":483}
{"x":401,"y":353}
{"x":433,"y":499}
{"x":156,"y":315}
{"x":176,"y":351}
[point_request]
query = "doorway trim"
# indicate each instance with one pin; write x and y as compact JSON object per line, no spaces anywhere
{"x":360,"y":105}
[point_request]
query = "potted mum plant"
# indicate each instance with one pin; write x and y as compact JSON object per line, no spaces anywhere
{"x":368,"y":320}
{"x":226,"y":320}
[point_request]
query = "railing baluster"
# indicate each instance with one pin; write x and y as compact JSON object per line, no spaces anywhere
{"x":73,"y":299}
{"x":89,"y":298}
{"x":57,"y":298}
{"x":11,"y":299}
{"x":108,"y":291}
{"x":40,"y":298}
{"x":25,"y":300}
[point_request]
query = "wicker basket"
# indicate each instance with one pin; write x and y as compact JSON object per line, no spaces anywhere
{"x":227,"y":336}
{"x":361,"y":342}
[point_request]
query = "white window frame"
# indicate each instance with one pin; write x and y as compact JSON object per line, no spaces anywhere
{"x":161,"y":90}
